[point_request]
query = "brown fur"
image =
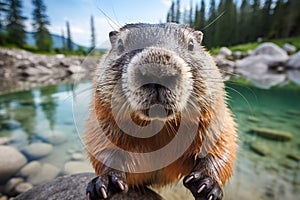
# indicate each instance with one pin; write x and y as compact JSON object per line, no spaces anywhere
{"x":221,"y":160}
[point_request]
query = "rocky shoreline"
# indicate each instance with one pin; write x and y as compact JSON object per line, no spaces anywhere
{"x":21,"y":70}
{"x":266,"y":66}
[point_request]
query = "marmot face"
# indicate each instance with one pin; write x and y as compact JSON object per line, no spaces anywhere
{"x":155,"y":72}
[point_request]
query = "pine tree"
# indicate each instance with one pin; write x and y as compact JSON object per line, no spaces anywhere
{"x":244,"y":29}
{"x":202,"y":15}
{"x":3,"y":11}
{"x":15,"y":23}
{"x":69,"y":38}
{"x":42,"y":35}
{"x":191,"y":21}
{"x":197,"y":24}
{"x":93,"y":34}
{"x":255,"y":23}
{"x":171,"y":13}
{"x":278,"y":20}
{"x":266,"y":18}
{"x":178,"y":14}
{"x":63,"y":40}
{"x":211,"y":25}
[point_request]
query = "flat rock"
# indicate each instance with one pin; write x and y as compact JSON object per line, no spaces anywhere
{"x":11,"y":162}
{"x":30,"y":169}
{"x":47,"y":173}
{"x":294,"y":61}
{"x":74,"y":167}
{"x":272,"y":134}
{"x":74,"y":187}
{"x":37,"y":150}
{"x":266,"y":81}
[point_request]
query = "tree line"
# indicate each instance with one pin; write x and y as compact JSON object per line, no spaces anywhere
{"x":234,"y":22}
{"x":13,"y":30}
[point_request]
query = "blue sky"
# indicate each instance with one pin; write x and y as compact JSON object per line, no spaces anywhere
{"x":78,"y":13}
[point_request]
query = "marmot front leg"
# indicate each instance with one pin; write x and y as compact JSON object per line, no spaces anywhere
{"x":110,"y":181}
{"x":201,"y":183}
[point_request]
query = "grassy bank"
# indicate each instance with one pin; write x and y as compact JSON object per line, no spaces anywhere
{"x":250,"y":46}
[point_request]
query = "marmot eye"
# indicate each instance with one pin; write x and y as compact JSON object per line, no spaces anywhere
{"x":120,"y":45}
{"x":191,"y":45}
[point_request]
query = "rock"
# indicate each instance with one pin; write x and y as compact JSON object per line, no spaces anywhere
{"x":294,"y":76}
{"x":237,"y":54}
{"x":293,"y":156}
{"x":260,"y":148}
{"x":271,"y":49}
{"x":74,"y":167}
{"x":75,"y":69}
{"x":270,"y":61}
{"x":11,"y":162}
{"x":289,"y":48}
{"x":10,"y":125}
{"x":272,"y":134}
{"x":253,"y":119}
{"x":23,"y":187}
{"x":249,"y":70}
{"x":37,"y":150}
{"x":31,"y":169}
{"x":74,"y":187}
{"x":4,"y":141}
{"x":294,"y":61}
{"x":54,"y":137}
{"x":60,"y":56}
{"x":47,"y":173}
{"x":224,"y":51}
{"x":11,"y":185}
{"x":77,"y":156}
{"x":266,"y":81}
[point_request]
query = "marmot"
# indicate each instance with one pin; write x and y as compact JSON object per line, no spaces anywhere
{"x":159,"y":114}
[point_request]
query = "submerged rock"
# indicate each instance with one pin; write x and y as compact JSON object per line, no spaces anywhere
{"x":293,"y":156}
{"x":272,"y":134}
{"x":260,"y":148}
{"x":74,"y":187}
{"x":253,"y":119}
{"x":266,"y":81}
{"x":11,"y":161}
{"x":30,"y":169}
{"x":47,"y":173}
{"x":37,"y":150}
{"x":74,"y":167}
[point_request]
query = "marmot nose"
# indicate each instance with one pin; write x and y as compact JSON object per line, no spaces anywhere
{"x":155,"y":75}
{"x":154,"y":78}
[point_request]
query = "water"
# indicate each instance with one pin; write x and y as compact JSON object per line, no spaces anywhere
{"x":56,"y":115}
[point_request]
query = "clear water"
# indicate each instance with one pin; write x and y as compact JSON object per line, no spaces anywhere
{"x":26,"y":117}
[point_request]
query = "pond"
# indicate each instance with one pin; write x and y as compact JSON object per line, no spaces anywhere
{"x":265,"y":168}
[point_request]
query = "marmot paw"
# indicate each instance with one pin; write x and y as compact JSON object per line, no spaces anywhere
{"x":106,"y":185}
{"x":203,"y":187}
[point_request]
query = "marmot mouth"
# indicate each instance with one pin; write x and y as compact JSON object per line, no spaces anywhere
{"x":157,"y":111}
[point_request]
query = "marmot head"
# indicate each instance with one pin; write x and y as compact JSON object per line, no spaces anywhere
{"x":157,"y":72}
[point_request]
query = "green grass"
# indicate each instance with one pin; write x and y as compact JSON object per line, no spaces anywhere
{"x":251,"y":46}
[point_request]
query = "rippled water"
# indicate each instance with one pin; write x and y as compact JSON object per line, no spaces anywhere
{"x":56,"y":115}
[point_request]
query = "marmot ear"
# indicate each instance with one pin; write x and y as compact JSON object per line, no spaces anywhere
{"x":113,"y":36}
{"x":199,"y":36}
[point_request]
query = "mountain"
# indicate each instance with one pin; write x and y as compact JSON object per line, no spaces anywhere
{"x":56,"y":39}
